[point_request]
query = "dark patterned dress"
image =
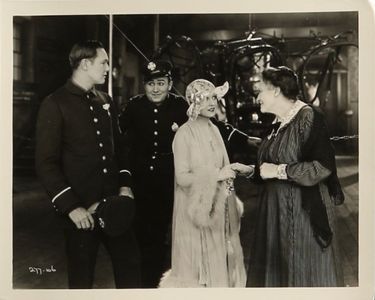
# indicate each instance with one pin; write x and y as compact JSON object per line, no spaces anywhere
{"x":285,"y":252}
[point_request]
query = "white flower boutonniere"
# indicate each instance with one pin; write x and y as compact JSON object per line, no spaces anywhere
{"x":175,"y":126}
{"x":106,"y":107}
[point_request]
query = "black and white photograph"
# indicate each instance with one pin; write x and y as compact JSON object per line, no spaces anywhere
{"x":157,"y":153}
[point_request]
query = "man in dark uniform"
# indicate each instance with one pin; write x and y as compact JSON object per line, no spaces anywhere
{"x":235,"y":140}
{"x":79,"y":161}
{"x":150,"y":121}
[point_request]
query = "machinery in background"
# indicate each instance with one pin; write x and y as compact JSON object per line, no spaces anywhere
{"x":240,"y":62}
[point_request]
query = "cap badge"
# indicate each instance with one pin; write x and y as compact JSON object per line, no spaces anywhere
{"x":151,"y":66}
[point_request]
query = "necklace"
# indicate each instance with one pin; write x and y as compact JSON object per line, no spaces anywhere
{"x":286,"y":120}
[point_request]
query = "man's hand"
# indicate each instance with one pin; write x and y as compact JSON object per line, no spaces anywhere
{"x":126,"y":191}
{"x":93,"y":207}
{"x":82,"y":218}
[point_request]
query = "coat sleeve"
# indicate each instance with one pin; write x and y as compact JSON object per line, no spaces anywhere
{"x":121,"y":150}
{"x":235,"y":140}
{"x":306,"y":173}
{"x":205,"y":195}
{"x":48,"y":155}
{"x":183,"y":174}
{"x":125,"y":118}
{"x":232,"y":136}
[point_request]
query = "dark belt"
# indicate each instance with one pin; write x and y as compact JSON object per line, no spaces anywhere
{"x":164,"y":153}
{"x":156,"y":154}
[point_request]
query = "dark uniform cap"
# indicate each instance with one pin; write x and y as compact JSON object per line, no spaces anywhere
{"x":115,"y":214}
{"x":157,"y":68}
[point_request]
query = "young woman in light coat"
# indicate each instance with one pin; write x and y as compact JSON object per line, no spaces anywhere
{"x":206,"y":249}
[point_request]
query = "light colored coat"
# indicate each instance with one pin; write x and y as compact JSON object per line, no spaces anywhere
{"x":206,"y":250}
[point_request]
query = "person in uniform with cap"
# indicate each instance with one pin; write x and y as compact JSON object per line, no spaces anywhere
{"x":149,"y":122}
{"x":234,"y":139}
{"x":80,"y":161}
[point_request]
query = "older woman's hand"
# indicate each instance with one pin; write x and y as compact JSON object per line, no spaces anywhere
{"x":268,"y":170}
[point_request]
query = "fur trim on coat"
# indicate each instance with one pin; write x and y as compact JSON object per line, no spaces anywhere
{"x":170,"y":281}
{"x":207,"y":198}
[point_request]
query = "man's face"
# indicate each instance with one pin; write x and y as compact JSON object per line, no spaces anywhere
{"x":157,"y":89}
{"x":97,"y":68}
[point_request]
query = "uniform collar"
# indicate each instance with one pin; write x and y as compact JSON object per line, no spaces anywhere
{"x":164,"y":103}
{"x":77,"y":90}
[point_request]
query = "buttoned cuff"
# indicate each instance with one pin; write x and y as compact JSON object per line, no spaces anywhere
{"x":65,"y":201}
{"x":281,"y":172}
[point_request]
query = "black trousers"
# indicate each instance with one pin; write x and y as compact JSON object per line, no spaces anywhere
{"x":154,"y":199}
{"x":82,"y":249}
{"x":155,"y":253}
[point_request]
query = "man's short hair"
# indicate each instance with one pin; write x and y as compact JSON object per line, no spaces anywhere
{"x":82,"y":50}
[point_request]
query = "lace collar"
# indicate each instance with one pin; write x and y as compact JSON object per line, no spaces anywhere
{"x":289,"y":117}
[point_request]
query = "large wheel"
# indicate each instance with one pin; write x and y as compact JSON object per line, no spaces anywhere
{"x":321,"y":65}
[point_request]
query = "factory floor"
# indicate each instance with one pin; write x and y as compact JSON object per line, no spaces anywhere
{"x":38,"y":241}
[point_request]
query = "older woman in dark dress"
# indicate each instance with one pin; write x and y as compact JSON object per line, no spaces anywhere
{"x":294,"y":237}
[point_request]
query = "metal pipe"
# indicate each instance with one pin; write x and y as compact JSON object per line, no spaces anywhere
{"x":156,"y":32}
{"x":110,"y":51}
